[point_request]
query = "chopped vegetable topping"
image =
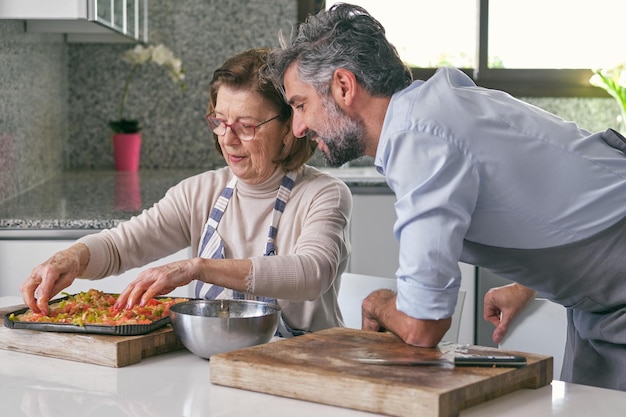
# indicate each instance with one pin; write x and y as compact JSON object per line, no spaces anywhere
{"x":97,"y":307}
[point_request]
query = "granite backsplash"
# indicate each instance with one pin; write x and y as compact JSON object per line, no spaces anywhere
{"x":56,"y":97}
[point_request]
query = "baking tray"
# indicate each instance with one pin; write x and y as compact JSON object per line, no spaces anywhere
{"x":120,"y":330}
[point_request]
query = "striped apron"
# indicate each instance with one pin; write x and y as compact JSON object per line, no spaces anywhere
{"x":212,"y":247}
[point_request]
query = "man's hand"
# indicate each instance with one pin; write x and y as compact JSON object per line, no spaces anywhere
{"x":502,"y":304}
{"x":379,"y":313}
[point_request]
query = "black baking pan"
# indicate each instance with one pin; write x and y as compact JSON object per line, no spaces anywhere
{"x":120,"y":330}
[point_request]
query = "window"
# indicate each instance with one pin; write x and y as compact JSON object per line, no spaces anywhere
{"x":555,"y":33}
{"x":526,"y":47}
{"x":428,"y":33}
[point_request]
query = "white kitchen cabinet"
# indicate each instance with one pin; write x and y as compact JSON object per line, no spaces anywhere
{"x":374,"y":247}
{"x":19,"y":257}
{"x":540,"y":328}
{"x":375,"y":251}
{"x":83,"y":20}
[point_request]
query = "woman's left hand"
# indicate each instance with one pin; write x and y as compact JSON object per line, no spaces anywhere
{"x":156,"y":281}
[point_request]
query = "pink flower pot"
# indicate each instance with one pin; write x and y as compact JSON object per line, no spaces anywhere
{"x":126,"y":151}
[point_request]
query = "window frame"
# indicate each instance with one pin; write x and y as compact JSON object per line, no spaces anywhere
{"x":537,"y":82}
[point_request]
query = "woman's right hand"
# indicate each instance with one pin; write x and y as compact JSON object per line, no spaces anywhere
{"x":52,"y":276}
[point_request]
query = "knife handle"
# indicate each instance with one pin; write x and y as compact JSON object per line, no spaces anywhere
{"x":495,"y":361}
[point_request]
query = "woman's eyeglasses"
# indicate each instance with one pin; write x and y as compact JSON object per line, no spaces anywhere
{"x":244,"y":131}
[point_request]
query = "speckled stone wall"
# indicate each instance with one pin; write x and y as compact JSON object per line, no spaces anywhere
{"x":593,"y":114}
{"x":175,"y":135}
{"x":33,"y":107}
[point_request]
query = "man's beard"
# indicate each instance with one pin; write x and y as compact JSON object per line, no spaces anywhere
{"x":343,"y":136}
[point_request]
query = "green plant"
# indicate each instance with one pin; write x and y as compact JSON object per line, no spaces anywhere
{"x":613,"y":81}
{"x":136,"y":57}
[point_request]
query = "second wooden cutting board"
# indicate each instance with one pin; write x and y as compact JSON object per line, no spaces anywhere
{"x":320,"y":367}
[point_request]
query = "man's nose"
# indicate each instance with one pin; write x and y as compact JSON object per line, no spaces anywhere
{"x":299,"y":127}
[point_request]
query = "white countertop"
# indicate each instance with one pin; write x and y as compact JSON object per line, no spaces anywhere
{"x":177,"y":384}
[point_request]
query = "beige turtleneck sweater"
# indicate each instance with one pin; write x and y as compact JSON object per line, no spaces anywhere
{"x":312,"y":242}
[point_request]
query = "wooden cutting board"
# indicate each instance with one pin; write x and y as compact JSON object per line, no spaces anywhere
{"x":319,"y":367}
{"x":112,"y":351}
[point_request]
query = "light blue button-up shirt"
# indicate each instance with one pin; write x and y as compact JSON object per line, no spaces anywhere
{"x":468,"y":163}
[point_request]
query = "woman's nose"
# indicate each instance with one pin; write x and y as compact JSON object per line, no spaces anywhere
{"x":230,"y":136}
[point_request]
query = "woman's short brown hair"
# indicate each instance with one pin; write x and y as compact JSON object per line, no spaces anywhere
{"x":242,"y":72}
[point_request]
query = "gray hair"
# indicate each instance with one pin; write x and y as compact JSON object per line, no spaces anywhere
{"x":345,"y":36}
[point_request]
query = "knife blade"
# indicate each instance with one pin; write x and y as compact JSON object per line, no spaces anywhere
{"x":492,"y":361}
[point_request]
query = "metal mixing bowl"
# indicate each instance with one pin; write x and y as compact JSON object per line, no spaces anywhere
{"x":209,"y":327}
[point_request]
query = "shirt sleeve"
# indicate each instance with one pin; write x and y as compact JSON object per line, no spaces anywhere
{"x":320,"y":249}
{"x":436,"y":188}
{"x":159,"y":231}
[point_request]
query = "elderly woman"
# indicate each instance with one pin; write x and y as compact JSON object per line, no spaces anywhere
{"x":266,"y":225}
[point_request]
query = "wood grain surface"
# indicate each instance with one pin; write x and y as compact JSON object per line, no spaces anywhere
{"x":112,"y":351}
{"x":320,"y":367}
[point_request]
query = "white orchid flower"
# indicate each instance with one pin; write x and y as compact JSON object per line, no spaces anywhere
{"x":161,"y":55}
{"x":137,"y":56}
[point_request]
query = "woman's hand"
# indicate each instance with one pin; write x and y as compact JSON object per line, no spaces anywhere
{"x":228,"y":273}
{"x":52,"y":276}
{"x":502,"y":304}
{"x":157,"y":281}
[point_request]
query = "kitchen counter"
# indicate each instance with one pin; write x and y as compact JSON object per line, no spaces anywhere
{"x":88,"y":199}
{"x":177,"y":384}
{"x":79,"y":200}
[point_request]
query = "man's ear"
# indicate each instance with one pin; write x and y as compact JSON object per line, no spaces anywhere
{"x":344,"y":87}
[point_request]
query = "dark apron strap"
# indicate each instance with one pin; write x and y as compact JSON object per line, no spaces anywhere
{"x":614,"y":139}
